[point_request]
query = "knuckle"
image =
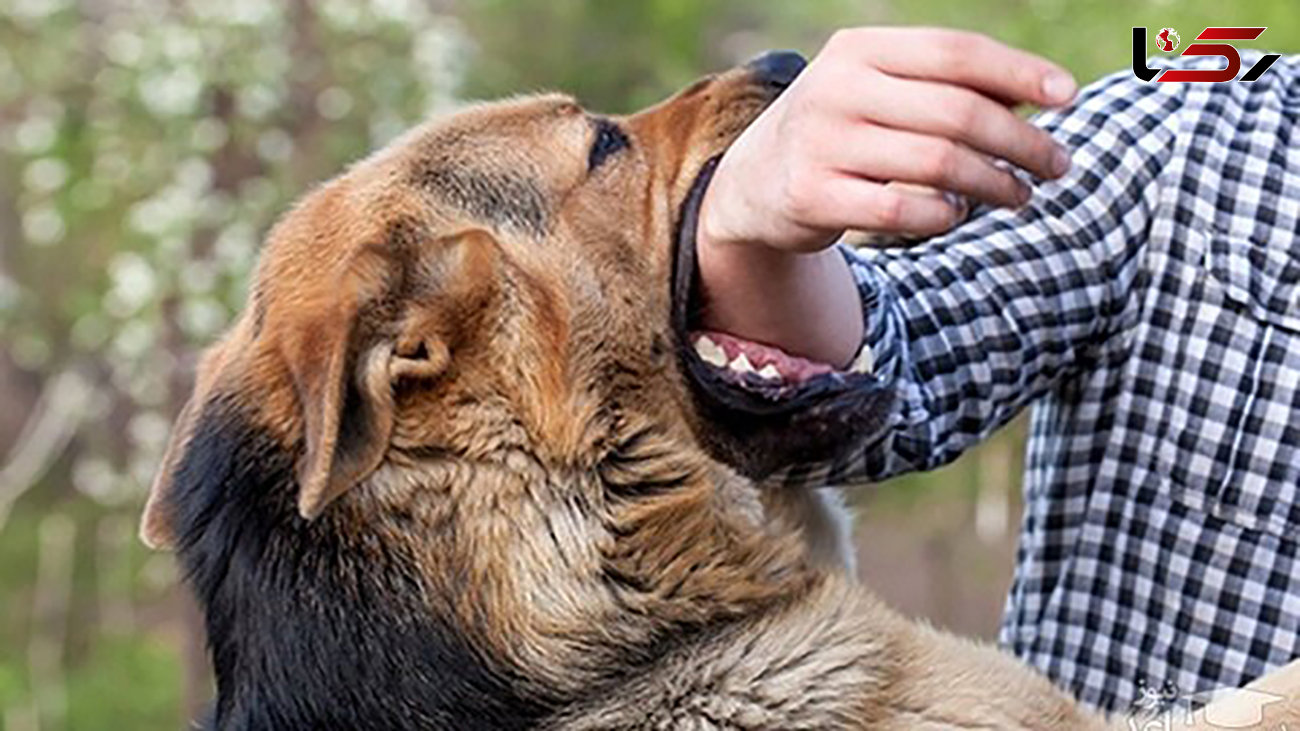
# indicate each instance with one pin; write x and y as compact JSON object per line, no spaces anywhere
{"x":888,"y":210}
{"x":854,"y":43}
{"x":799,"y":197}
{"x":1010,"y":188}
{"x":1044,"y":150}
{"x":803,"y":108}
{"x":966,"y":115}
{"x":801,"y":209}
{"x":942,"y":161}
{"x":1027,"y":81}
{"x":843,"y":39}
{"x":949,"y":57}
{"x":969,"y":42}
{"x":957,"y":48}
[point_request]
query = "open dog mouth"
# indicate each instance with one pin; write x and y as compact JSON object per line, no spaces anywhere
{"x":736,"y":365}
{"x":764,"y":369}
{"x":763,"y":409}
{"x":744,"y":374}
{"x":774,"y":407}
{"x":750,"y":364}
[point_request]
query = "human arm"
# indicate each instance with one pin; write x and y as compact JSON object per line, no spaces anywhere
{"x":972,"y":325}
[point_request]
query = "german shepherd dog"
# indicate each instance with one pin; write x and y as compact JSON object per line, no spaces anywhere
{"x":458,"y":466}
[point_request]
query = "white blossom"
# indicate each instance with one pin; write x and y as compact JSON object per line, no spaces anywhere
{"x":45,"y":175}
{"x":43,"y":225}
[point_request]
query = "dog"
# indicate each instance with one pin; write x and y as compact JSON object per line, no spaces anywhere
{"x":460,"y":464}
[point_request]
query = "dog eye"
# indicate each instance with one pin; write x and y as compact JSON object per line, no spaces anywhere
{"x":609,"y":140}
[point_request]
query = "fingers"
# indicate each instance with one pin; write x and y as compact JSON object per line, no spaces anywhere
{"x":847,"y":202}
{"x":909,"y":157}
{"x":959,"y":114}
{"x":876,"y":114}
{"x":961,"y":58}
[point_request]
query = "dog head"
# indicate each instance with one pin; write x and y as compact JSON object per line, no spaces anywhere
{"x":517,"y":276}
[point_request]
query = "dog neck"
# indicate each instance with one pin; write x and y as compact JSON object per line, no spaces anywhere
{"x":568,"y":570}
{"x":441,"y":580}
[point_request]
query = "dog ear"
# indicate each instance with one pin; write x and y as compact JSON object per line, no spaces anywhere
{"x":346,"y":387}
{"x":344,"y":400}
{"x":157,"y":525}
{"x":342,"y":362}
{"x":346,"y":396}
{"x":347,"y":415}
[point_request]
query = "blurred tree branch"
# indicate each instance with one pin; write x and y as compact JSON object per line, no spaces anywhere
{"x":58,"y":414}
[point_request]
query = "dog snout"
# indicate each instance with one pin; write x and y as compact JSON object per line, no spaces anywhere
{"x":778,"y":68}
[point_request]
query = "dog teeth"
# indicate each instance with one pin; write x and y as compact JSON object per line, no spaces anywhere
{"x":770,"y":372}
{"x":741,"y":364}
{"x":865,"y":362}
{"x":710,"y":352}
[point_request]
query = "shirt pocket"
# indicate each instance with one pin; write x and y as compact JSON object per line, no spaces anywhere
{"x":1263,"y":278}
{"x":1257,"y":284}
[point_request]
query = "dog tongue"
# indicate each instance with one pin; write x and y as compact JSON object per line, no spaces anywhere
{"x":728,"y":351}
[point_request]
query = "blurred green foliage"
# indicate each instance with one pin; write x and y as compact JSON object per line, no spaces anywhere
{"x":146,"y":145}
{"x":620,"y":56}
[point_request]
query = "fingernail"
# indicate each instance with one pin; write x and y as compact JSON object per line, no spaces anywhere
{"x":1025,"y":193}
{"x":1060,"y":161}
{"x":957,"y":203}
{"x":1059,"y":87}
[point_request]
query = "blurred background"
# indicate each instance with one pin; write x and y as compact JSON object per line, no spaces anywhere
{"x":146,"y":146}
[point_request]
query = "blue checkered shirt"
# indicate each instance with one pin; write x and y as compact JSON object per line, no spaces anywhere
{"x":1148,"y":307}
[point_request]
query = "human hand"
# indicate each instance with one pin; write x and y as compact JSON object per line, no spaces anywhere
{"x":880,"y":107}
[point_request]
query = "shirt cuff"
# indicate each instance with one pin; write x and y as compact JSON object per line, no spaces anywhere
{"x":878,"y":354}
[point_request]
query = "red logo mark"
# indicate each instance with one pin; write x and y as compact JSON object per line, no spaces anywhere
{"x":1167,"y":40}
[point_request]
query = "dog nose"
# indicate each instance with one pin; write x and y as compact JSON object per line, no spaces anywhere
{"x":778,"y":67}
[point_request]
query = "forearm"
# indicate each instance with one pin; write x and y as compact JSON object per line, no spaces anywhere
{"x":804,"y":303}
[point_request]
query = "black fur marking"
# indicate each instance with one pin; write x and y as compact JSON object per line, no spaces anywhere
{"x":503,"y":200}
{"x":317,"y":625}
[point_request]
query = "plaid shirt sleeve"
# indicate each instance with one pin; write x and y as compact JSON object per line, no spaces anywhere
{"x":970,"y":327}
